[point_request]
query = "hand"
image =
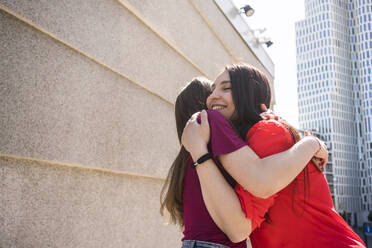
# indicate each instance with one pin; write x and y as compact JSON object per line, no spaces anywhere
{"x":268,"y":114}
{"x":322,"y":153}
{"x":320,"y":158}
{"x":319,"y":164}
{"x":195,"y":136}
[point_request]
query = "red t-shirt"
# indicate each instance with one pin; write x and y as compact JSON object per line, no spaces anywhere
{"x":199,"y":225}
{"x":303,"y":214}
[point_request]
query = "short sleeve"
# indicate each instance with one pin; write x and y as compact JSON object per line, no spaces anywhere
{"x":264,"y":138}
{"x":254,"y":207}
{"x":223,"y":139}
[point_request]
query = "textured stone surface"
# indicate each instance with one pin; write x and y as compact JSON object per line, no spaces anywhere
{"x":182,"y":24}
{"x":52,"y":206}
{"x":229,"y":34}
{"x":232,"y":39}
{"x":59,"y":105}
{"x":110,"y":33}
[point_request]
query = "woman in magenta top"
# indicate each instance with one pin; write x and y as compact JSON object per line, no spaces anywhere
{"x":316,"y":224}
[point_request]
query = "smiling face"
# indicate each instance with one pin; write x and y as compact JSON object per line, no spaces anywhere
{"x":221,"y":97}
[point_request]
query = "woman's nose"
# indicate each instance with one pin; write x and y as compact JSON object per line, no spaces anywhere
{"x":214,"y":94}
{"x":211,"y":98}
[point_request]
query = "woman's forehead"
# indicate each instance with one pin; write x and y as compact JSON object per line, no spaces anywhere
{"x":222,"y":78}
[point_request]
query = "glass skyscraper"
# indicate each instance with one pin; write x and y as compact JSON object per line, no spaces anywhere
{"x":334,"y":50}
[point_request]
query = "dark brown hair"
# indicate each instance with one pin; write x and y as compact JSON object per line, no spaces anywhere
{"x":250,"y":88}
{"x":191,"y":99}
{"x":295,"y":138}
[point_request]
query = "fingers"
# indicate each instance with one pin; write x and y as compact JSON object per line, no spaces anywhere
{"x":204,"y":118}
{"x":269,"y":115}
{"x":323,"y":147}
{"x":194,"y":116}
{"x":318,"y":163}
{"x":322,"y":154}
{"x":263,"y":116}
{"x":193,"y":119}
{"x":196,"y":133}
{"x":324,"y":162}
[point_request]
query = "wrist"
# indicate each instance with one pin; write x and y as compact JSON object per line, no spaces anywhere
{"x":198,"y":153}
{"x":315,"y":143}
{"x":202,"y":159}
{"x":319,"y":146}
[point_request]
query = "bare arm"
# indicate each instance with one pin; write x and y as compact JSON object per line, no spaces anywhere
{"x":223,"y":203}
{"x":261,"y":177}
{"x":220,"y":199}
{"x":265,"y":177}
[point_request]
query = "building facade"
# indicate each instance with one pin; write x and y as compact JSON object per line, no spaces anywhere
{"x":87,"y":129}
{"x":334,"y":46}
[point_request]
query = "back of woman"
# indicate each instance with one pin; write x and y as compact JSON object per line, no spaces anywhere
{"x":303,"y":214}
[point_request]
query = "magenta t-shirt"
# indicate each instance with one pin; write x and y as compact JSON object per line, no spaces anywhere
{"x":199,"y":225}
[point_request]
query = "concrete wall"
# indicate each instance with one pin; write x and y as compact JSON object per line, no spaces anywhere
{"x":87,"y":131}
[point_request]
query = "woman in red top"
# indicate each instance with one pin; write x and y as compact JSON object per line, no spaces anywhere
{"x":277,"y":165}
{"x":303,"y":214}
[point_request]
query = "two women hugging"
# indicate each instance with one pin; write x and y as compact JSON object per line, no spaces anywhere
{"x":238,"y":176}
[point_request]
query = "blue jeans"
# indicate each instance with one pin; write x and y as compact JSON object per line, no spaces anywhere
{"x":200,"y":244}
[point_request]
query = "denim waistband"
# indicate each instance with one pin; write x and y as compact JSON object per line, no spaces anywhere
{"x":201,"y":244}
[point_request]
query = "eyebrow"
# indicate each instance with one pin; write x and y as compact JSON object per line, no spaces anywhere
{"x":223,"y":82}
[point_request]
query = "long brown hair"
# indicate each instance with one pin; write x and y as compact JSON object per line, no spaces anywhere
{"x":191,"y":99}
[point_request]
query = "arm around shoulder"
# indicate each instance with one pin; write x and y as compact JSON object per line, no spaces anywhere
{"x":265,"y":176}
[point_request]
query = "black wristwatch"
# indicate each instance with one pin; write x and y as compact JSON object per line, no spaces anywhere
{"x":202,"y":159}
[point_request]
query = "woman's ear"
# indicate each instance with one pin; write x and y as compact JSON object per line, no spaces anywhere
{"x":263,"y":107}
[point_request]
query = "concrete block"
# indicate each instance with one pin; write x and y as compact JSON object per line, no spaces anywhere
{"x":59,"y":105}
{"x":45,"y":205}
{"x":184,"y":26}
{"x":108,"y":32}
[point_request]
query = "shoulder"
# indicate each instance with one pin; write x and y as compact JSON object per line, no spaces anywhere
{"x":268,"y":128}
{"x":272,"y":125}
{"x":223,"y":139}
{"x":215,"y":115}
{"x":216,"y":119}
{"x":269,"y":137}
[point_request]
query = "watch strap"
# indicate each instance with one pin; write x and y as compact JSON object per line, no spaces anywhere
{"x":202,"y":159}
